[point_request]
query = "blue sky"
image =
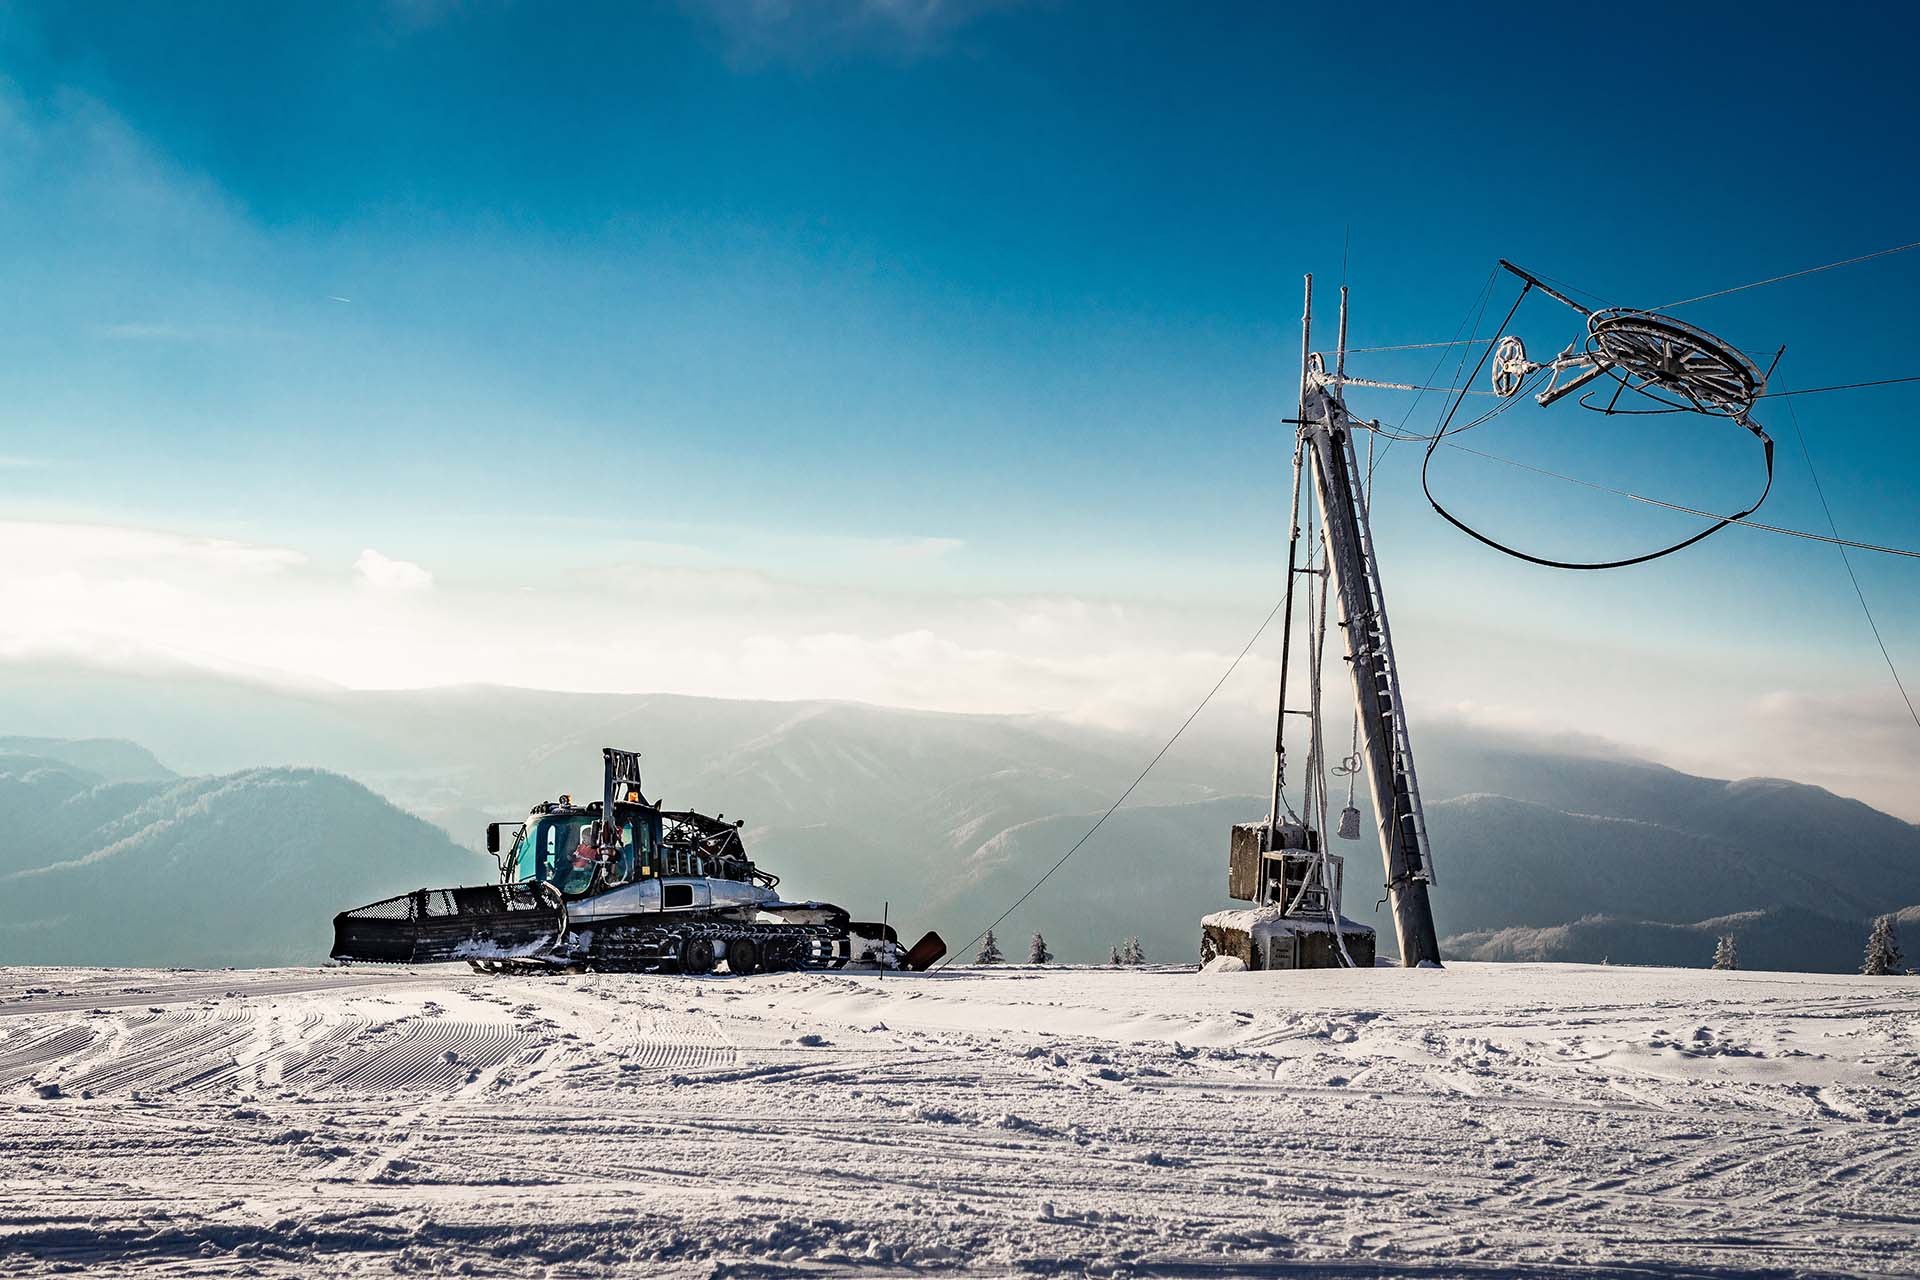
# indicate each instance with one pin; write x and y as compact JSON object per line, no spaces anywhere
{"x":934,"y":338}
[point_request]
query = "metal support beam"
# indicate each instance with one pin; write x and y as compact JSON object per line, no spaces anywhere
{"x":1293,"y":549}
{"x":1384,"y":743}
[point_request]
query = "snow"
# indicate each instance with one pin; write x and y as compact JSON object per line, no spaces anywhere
{"x":1262,"y":923}
{"x":1476,"y":1119}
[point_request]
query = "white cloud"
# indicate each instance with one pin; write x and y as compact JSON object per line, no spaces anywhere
{"x":108,"y":550}
{"x":384,"y":574}
{"x":919,"y":548}
{"x":125,"y":595}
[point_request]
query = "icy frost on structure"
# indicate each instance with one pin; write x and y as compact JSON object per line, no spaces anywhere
{"x":1296,"y":886}
{"x":1268,"y":938}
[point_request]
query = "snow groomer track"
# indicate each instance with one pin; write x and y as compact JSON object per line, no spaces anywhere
{"x":1482,"y":1120}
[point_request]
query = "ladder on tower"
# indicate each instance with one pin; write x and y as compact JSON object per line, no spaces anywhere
{"x":1378,"y":645}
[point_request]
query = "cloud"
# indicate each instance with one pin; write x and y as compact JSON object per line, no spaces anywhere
{"x":383,"y":574}
{"x":124,"y":595}
{"x":1860,"y":743}
{"x":919,"y":548}
{"x":656,"y":623}
{"x":37,"y":547}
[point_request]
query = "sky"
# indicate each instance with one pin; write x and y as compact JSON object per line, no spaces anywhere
{"x":936,"y":354}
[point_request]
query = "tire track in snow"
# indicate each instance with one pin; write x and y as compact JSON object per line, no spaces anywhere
{"x":25,"y":1055}
{"x":426,"y":1055}
{"x":992,"y":1146}
{"x":238,"y":985}
{"x":169,"y":1051}
{"x":663,"y":1040}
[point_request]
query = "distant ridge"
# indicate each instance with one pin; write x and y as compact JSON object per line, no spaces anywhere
{"x":112,"y":759}
{"x":1774,"y":938}
{"x":240,"y":869}
{"x":946,"y":819}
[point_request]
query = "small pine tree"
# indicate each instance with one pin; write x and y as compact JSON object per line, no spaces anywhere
{"x":1133,"y":952}
{"x":1726,"y":952}
{"x":1883,"y":950}
{"x":1113,"y":955}
{"x":1037,"y":952}
{"x":989,"y":952}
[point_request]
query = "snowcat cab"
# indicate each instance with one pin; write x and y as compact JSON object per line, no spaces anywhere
{"x":620,"y":883}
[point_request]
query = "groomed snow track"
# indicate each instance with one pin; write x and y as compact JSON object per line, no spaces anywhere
{"x":1480,"y":1121}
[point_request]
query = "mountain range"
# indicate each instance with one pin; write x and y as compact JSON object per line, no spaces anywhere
{"x":1544,"y":848}
{"x":117,"y":862}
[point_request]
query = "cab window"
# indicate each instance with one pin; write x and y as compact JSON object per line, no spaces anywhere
{"x":551,"y":851}
{"x":625,"y":854}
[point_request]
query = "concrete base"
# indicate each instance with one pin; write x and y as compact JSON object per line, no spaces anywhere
{"x":1263,"y":938}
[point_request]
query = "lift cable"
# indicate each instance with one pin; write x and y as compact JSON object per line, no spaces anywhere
{"x":1679,"y":408}
{"x":1417,"y":346}
{"x":1439,"y":436}
{"x":1844,"y":386}
{"x":1476,"y":311}
{"x":1098,"y":822}
{"x":1685,"y":510}
{"x":1792,"y":275}
{"x":1848,"y":562}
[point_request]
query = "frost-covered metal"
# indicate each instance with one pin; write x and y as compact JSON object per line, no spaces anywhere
{"x":1677,"y":364}
{"x":1281,"y":864}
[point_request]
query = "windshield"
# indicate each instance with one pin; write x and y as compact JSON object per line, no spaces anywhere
{"x":550,"y":851}
{"x":554,"y":849}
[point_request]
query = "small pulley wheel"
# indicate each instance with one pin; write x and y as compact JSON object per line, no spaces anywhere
{"x":697,"y":956}
{"x":742,"y":956}
{"x":1509,"y":365}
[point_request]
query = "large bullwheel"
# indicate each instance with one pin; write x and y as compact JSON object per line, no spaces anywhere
{"x":743,"y":957}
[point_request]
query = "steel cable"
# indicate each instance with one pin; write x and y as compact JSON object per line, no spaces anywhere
{"x":1131,"y":786}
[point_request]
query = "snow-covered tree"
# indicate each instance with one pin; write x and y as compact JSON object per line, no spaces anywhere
{"x":1113,"y":955}
{"x":1726,"y":952}
{"x":1883,"y":950}
{"x":1133,"y":952}
{"x":1037,"y":952}
{"x":989,"y":952}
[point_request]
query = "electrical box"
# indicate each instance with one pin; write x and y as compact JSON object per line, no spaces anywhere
{"x":1243,"y":860}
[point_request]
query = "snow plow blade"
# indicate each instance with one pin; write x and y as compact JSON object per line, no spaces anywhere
{"x":429,"y":926}
{"x":924,"y":952}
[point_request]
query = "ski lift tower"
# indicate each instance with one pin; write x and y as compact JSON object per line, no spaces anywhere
{"x":1281,"y":864}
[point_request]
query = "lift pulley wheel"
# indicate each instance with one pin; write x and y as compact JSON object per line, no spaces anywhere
{"x":1669,"y":361}
{"x":1646,"y":351}
{"x":1510,"y":366}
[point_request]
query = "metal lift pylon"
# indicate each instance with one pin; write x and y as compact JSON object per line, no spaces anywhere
{"x":1325,"y":443}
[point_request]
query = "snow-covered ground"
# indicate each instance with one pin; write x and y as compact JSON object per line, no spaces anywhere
{"x":1478,"y":1120}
